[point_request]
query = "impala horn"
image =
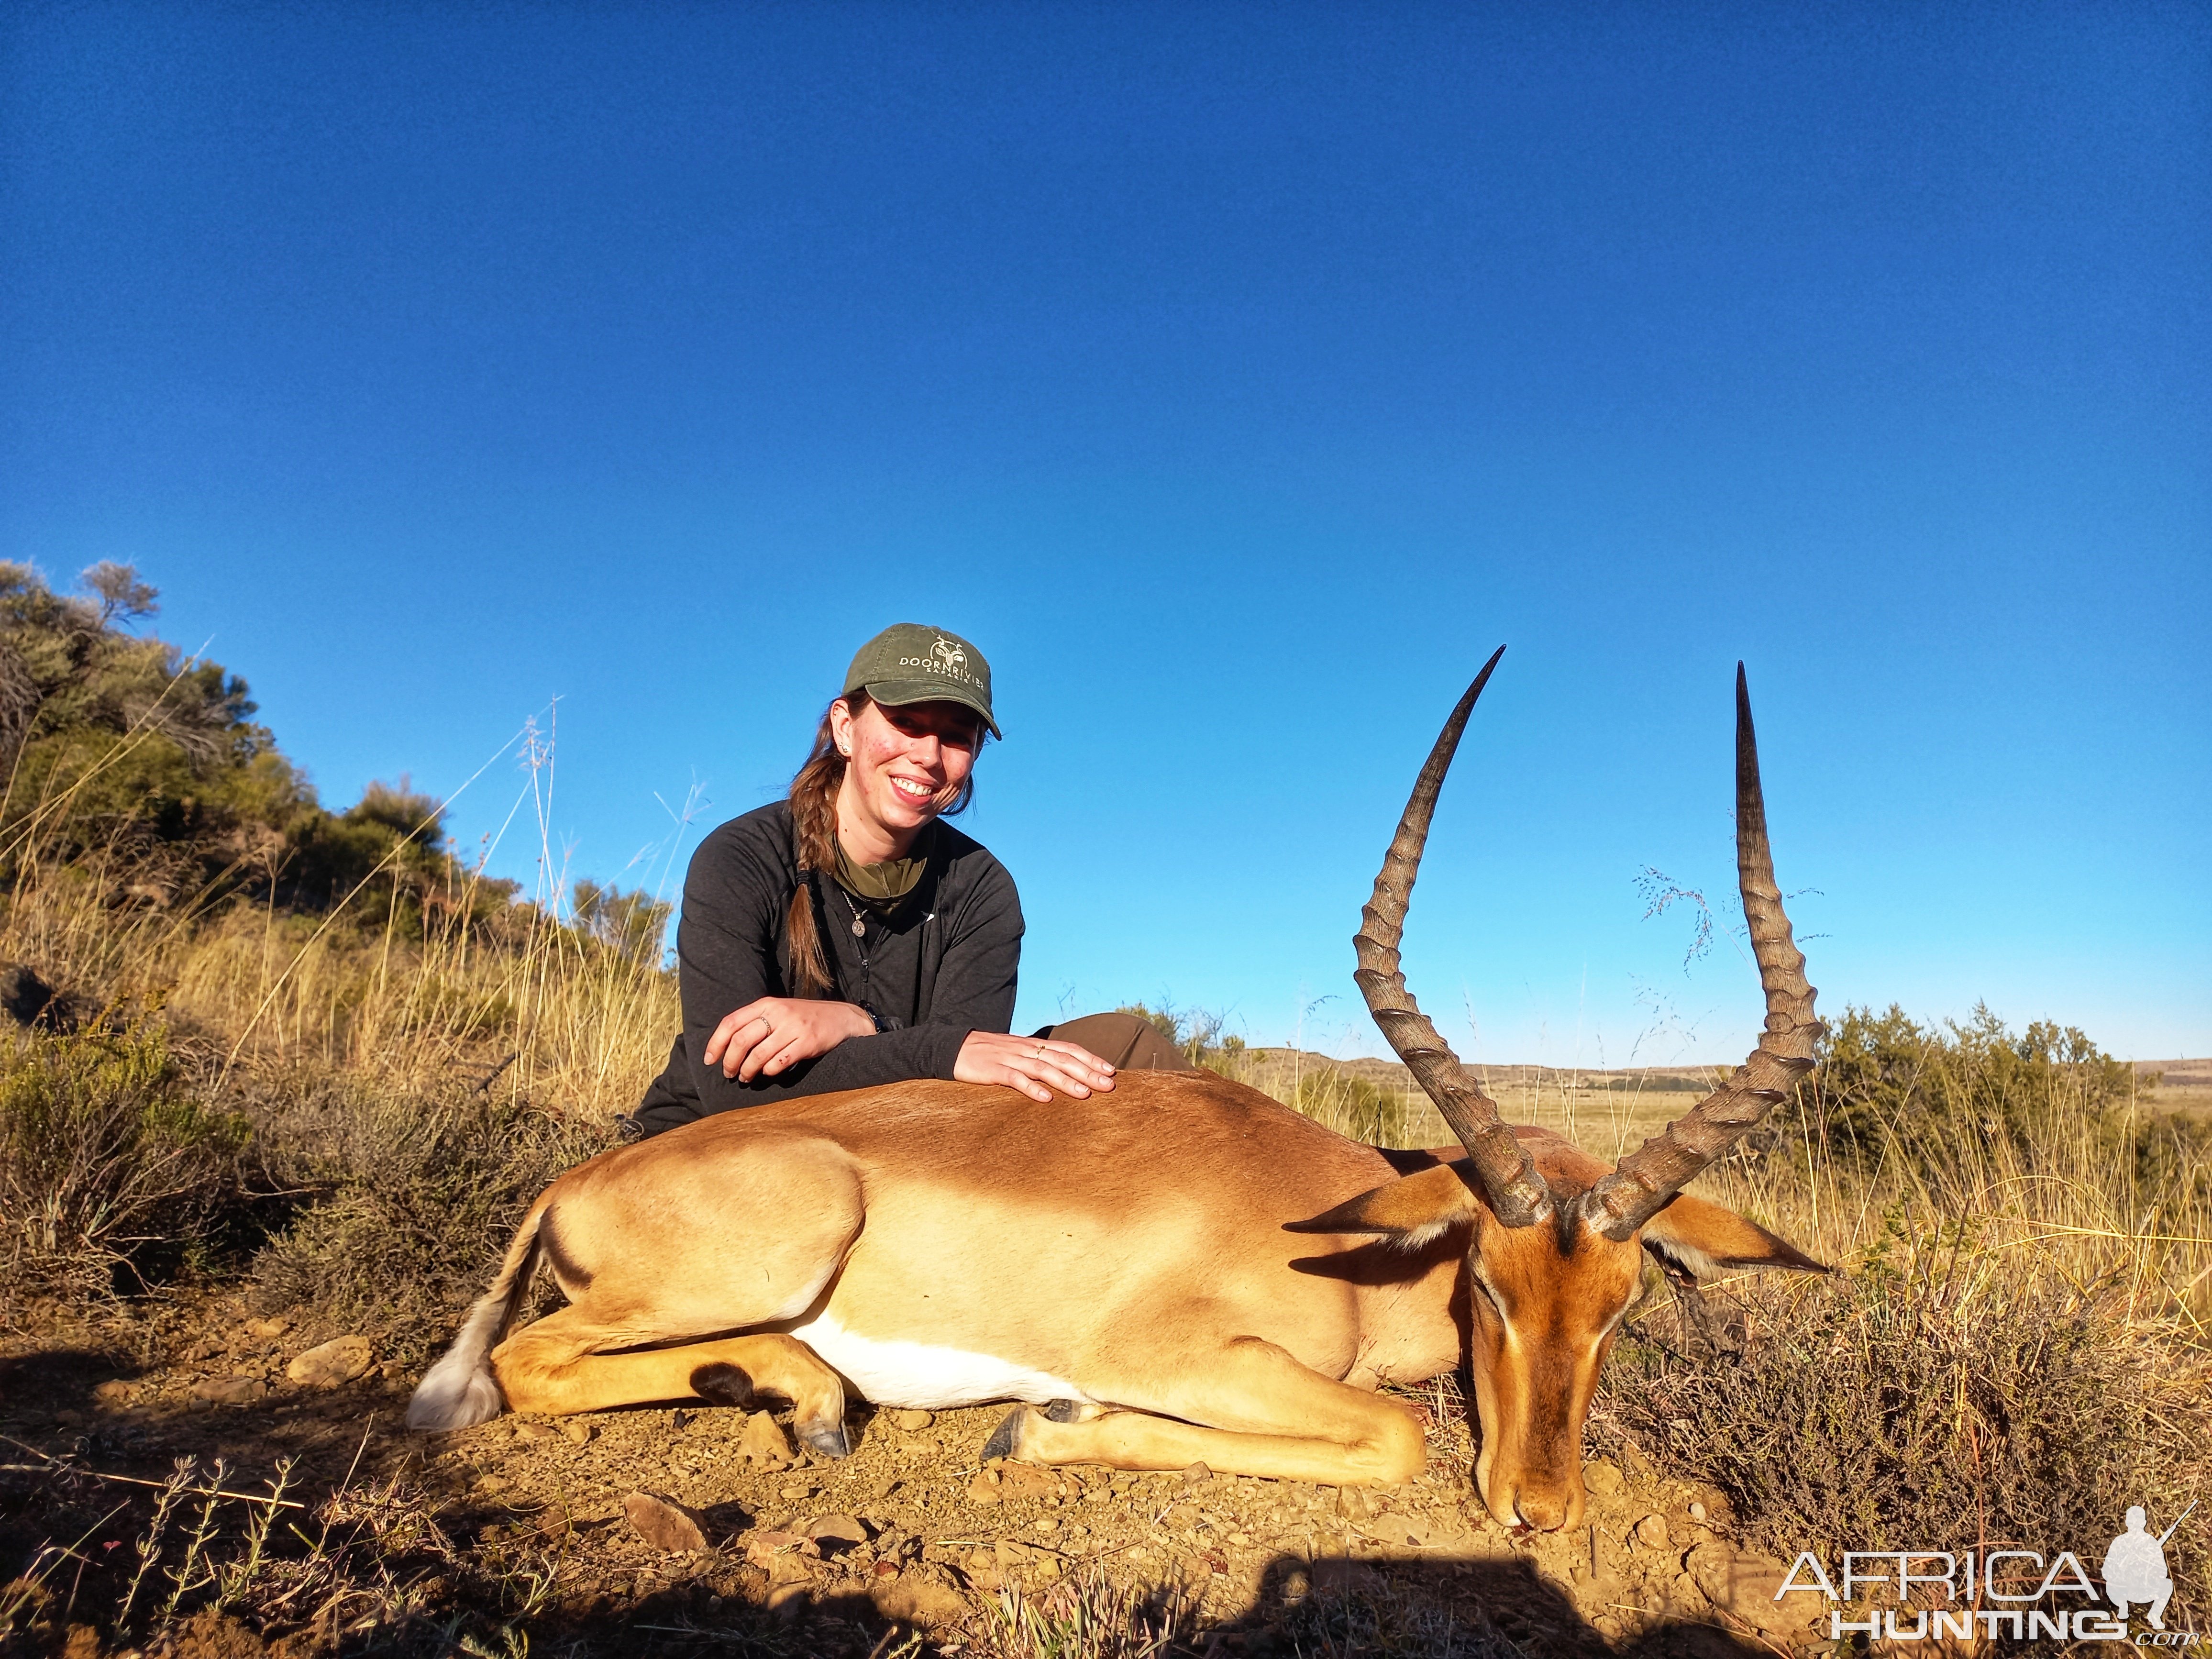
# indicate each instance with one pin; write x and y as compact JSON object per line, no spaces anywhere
{"x":1517,"y":1195}
{"x":1649,"y":1176}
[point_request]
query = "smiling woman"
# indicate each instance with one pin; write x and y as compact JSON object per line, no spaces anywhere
{"x":849,"y":936}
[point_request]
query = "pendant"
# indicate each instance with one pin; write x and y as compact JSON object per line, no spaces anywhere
{"x":859,"y":928}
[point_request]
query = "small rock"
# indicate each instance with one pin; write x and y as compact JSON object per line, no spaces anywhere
{"x":666,"y":1525}
{"x":229,"y":1390}
{"x":762,"y":1545}
{"x":1197,"y":1475}
{"x":1697,"y":1512}
{"x":1022,"y":1482}
{"x":267,"y":1330}
{"x":113,"y":1394}
{"x":1651,"y":1532}
{"x":1602,"y":1479}
{"x":763,"y":1442}
{"x":1045,"y":1523}
{"x":1395,"y":1529}
{"x":786,"y":1557}
{"x":1712,"y":1567}
{"x":983,"y":1489}
{"x":836,"y":1529}
{"x":910,"y":1600}
{"x":340,"y":1360}
{"x":797,"y":1494}
{"x":1755,"y":1594}
{"x":581,"y":1433}
{"x":909,"y":1422}
{"x":1039,"y":1563}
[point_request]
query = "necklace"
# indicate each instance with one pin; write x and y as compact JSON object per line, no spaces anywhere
{"x":859,"y":927}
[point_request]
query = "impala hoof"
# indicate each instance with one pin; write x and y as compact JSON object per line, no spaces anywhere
{"x":826,"y":1439}
{"x":1005,"y":1437}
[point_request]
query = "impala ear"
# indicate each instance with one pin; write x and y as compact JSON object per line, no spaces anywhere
{"x":1410,"y":1212}
{"x":1702,"y":1239}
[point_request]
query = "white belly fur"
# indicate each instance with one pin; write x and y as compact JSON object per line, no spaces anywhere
{"x":923,"y":1376}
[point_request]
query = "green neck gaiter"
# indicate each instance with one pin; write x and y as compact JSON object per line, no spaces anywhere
{"x":883,"y":887}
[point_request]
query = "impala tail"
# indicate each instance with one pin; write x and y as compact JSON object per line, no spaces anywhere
{"x":458,"y":1392}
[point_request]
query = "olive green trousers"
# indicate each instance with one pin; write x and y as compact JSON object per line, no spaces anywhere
{"x":1125,"y":1042}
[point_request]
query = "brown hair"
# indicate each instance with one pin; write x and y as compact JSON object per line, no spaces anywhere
{"x":813,"y":834}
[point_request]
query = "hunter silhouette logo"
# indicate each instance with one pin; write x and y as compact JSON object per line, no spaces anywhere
{"x":2134,"y":1568}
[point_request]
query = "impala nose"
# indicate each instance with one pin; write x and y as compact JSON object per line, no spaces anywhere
{"x":1540,"y":1511}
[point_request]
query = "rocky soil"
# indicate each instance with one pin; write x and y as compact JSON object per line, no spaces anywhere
{"x":695,"y":1527}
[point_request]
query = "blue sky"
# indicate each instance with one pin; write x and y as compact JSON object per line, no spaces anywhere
{"x":1237,"y":377}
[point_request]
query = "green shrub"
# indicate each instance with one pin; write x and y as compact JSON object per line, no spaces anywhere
{"x":111,"y":1170}
{"x":418,"y":1199}
{"x":1887,"y":1086}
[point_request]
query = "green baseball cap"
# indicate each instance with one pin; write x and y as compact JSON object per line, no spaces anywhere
{"x":909,"y":663}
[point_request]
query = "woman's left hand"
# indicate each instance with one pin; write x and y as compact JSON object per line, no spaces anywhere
{"x":769,"y":1035}
{"x":1036,"y":1065}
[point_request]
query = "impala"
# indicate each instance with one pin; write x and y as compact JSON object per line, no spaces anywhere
{"x":1180,"y":1271}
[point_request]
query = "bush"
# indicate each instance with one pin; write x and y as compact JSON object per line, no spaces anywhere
{"x":419,"y":1199}
{"x":1886,"y":1086}
{"x":1927,"y":1406}
{"x":110,"y":1169}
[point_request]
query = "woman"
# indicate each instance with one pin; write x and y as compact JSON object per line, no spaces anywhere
{"x":848,"y":936}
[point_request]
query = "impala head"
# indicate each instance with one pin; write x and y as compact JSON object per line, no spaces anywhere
{"x":1555,"y":1239}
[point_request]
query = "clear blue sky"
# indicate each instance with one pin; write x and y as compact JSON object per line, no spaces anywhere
{"x":1236,"y":377}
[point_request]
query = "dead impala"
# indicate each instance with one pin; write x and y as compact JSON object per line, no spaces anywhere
{"x":1181,"y":1271}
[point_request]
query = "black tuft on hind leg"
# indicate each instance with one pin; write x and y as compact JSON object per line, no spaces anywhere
{"x":722,"y":1384}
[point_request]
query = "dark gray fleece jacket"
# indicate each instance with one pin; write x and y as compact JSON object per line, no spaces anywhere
{"x":941,"y":965}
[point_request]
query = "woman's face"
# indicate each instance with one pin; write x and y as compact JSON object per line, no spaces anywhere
{"x":906,"y":765}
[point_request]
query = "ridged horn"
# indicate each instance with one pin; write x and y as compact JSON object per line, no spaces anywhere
{"x":1516,"y":1191}
{"x":1649,"y":1176}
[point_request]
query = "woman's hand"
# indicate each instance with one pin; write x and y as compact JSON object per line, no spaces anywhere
{"x":1036,"y":1065}
{"x":769,"y":1036}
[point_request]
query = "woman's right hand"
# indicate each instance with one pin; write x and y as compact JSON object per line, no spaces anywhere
{"x":1036,"y":1065}
{"x":770,"y":1035}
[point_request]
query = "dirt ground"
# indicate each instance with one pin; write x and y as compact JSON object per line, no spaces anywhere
{"x":537,"y":1523}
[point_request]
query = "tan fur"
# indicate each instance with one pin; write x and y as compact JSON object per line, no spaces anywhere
{"x":1137,"y":1245}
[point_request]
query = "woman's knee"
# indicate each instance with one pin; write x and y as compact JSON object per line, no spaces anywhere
{"x":1129,"y":1042}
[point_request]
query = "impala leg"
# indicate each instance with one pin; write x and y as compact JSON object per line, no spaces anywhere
{"x":1250,"y":1409}
{"x":556,"y":1366}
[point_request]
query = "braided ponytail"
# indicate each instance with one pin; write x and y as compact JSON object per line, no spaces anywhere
{"x":813,"y":834}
